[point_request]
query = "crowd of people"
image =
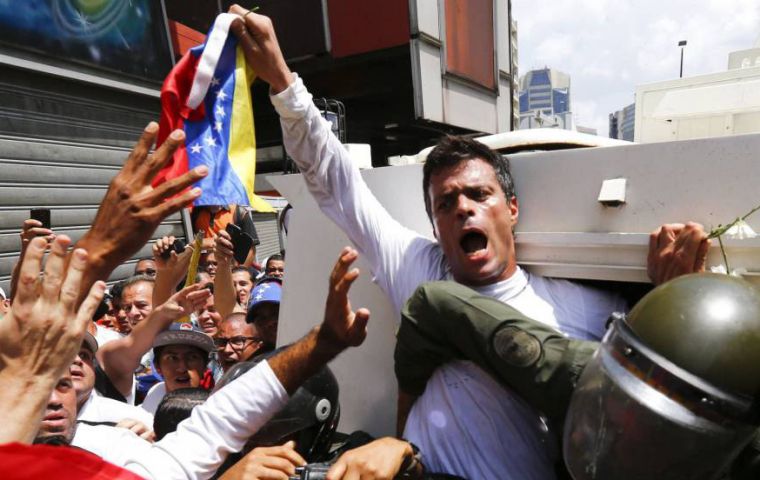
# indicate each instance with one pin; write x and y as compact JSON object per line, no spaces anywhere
{"x":155,"y":378}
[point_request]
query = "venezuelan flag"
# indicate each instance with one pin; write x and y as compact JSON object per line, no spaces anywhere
{"x":208,"y":95}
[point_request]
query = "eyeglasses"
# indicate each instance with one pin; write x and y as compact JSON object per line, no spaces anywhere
{"x":236,"y":342}
{"x":148,"y":271}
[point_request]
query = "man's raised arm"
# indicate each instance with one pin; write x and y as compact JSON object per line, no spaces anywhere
{"x":132,"y":209}
{"x":233,"y":414}
{"x":331,"y":177}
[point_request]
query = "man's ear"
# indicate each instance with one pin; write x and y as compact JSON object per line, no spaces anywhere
{"x":514,"y":209}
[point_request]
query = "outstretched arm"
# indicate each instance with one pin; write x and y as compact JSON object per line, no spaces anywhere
{"x":446,"y":320}
{"x":233,"y":414}
{"x":169,"y":271}
{"x":121,"y":357}
{"x":331,"y":176}
{"x":340,"y":329}
{"x":29,"y":230}
{"x":41,"y":334}
{"x":132,"y":209}
{"x":224,"y":290}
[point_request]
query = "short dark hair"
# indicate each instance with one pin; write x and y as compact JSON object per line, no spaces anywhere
{"x":175,"y":407}
{"x":452,"y":150}
{"x":241,"y":268}
{"x":115,"y":292}
{"x":275,"y":256}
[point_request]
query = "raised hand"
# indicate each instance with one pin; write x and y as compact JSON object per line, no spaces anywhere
{"x":341,"y":324}
{"x":223,"y":248}
{"x":262,"y":51}
{"x":169,"y":271}
{"x":132,"y":209}
{"x":181,"y":304}
{"x":32,"y":229}
{"x":41,"y":333}
{"x":174,"y":262}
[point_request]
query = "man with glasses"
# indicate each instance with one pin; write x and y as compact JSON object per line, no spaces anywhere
{"x":237,"y":341}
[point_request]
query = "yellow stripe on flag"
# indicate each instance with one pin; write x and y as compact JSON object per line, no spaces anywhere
{"x":242,"y":150}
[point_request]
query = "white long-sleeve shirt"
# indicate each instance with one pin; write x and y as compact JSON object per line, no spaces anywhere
{"x":453,"y":440}
{"x":202,"y":442}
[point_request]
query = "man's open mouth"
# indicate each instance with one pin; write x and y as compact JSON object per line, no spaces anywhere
{"x":473,"y":242}
{"x":184,"y":379}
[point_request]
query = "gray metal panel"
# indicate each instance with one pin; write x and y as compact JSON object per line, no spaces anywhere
{"x":62,"y":138}
{"x":266,"y":228}
{"x":69,"y":179}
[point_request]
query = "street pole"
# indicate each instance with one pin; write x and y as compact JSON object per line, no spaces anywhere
{"x":681,"y":44}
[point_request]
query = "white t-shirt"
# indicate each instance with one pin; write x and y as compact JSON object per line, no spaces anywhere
{"x":101,"y":409}
{"x":218,"y":427}
{"x":202,"y":442}
{"x":401,"y":260}
{"x":153,"y":398}
{"x":115,"y":445}
{"x":104,"y":335}
{"x":464,"y":418}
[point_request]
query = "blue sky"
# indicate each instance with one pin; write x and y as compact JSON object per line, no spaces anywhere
{"x":610,"y":46}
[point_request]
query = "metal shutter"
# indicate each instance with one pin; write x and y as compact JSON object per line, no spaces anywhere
{"x":63,"y":136}
{"x":67,"y":178}
{"x":266,"y":228}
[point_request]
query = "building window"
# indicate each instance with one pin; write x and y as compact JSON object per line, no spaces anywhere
{"x":470,"y":41}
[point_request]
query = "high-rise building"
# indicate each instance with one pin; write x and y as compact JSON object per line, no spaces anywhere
{"x":545,"y":99}
{"x":513,"y":55}
{"x":622,"y":123}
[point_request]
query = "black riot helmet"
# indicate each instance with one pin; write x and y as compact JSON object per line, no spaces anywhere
{"x":673,"y":391}
{"x":310,"y":417}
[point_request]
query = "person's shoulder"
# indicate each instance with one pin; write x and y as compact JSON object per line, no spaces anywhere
{"x":154,"y":397}
{"x":122,"y":409}
{"x":96,"y":438}
{"x":157,"y":390}
{"x":104,"y":335}
{"x":113,"y":444}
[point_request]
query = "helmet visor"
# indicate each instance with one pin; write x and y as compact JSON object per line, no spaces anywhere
{"x":630,"y":418}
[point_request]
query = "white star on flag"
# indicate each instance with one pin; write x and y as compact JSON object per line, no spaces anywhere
{"x":195,"y":148}
{"x":214,"y":81}
{"x":221,"y":95}
{"x":218,"y":126}
{"x":258,"y":296}
{"x":210,"y":141}
{"x":220,"y":111}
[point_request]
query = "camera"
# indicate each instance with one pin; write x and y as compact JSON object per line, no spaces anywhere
{"x":312,"y":471}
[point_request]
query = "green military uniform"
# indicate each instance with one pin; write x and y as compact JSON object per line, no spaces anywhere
{"x":443,"y":321}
